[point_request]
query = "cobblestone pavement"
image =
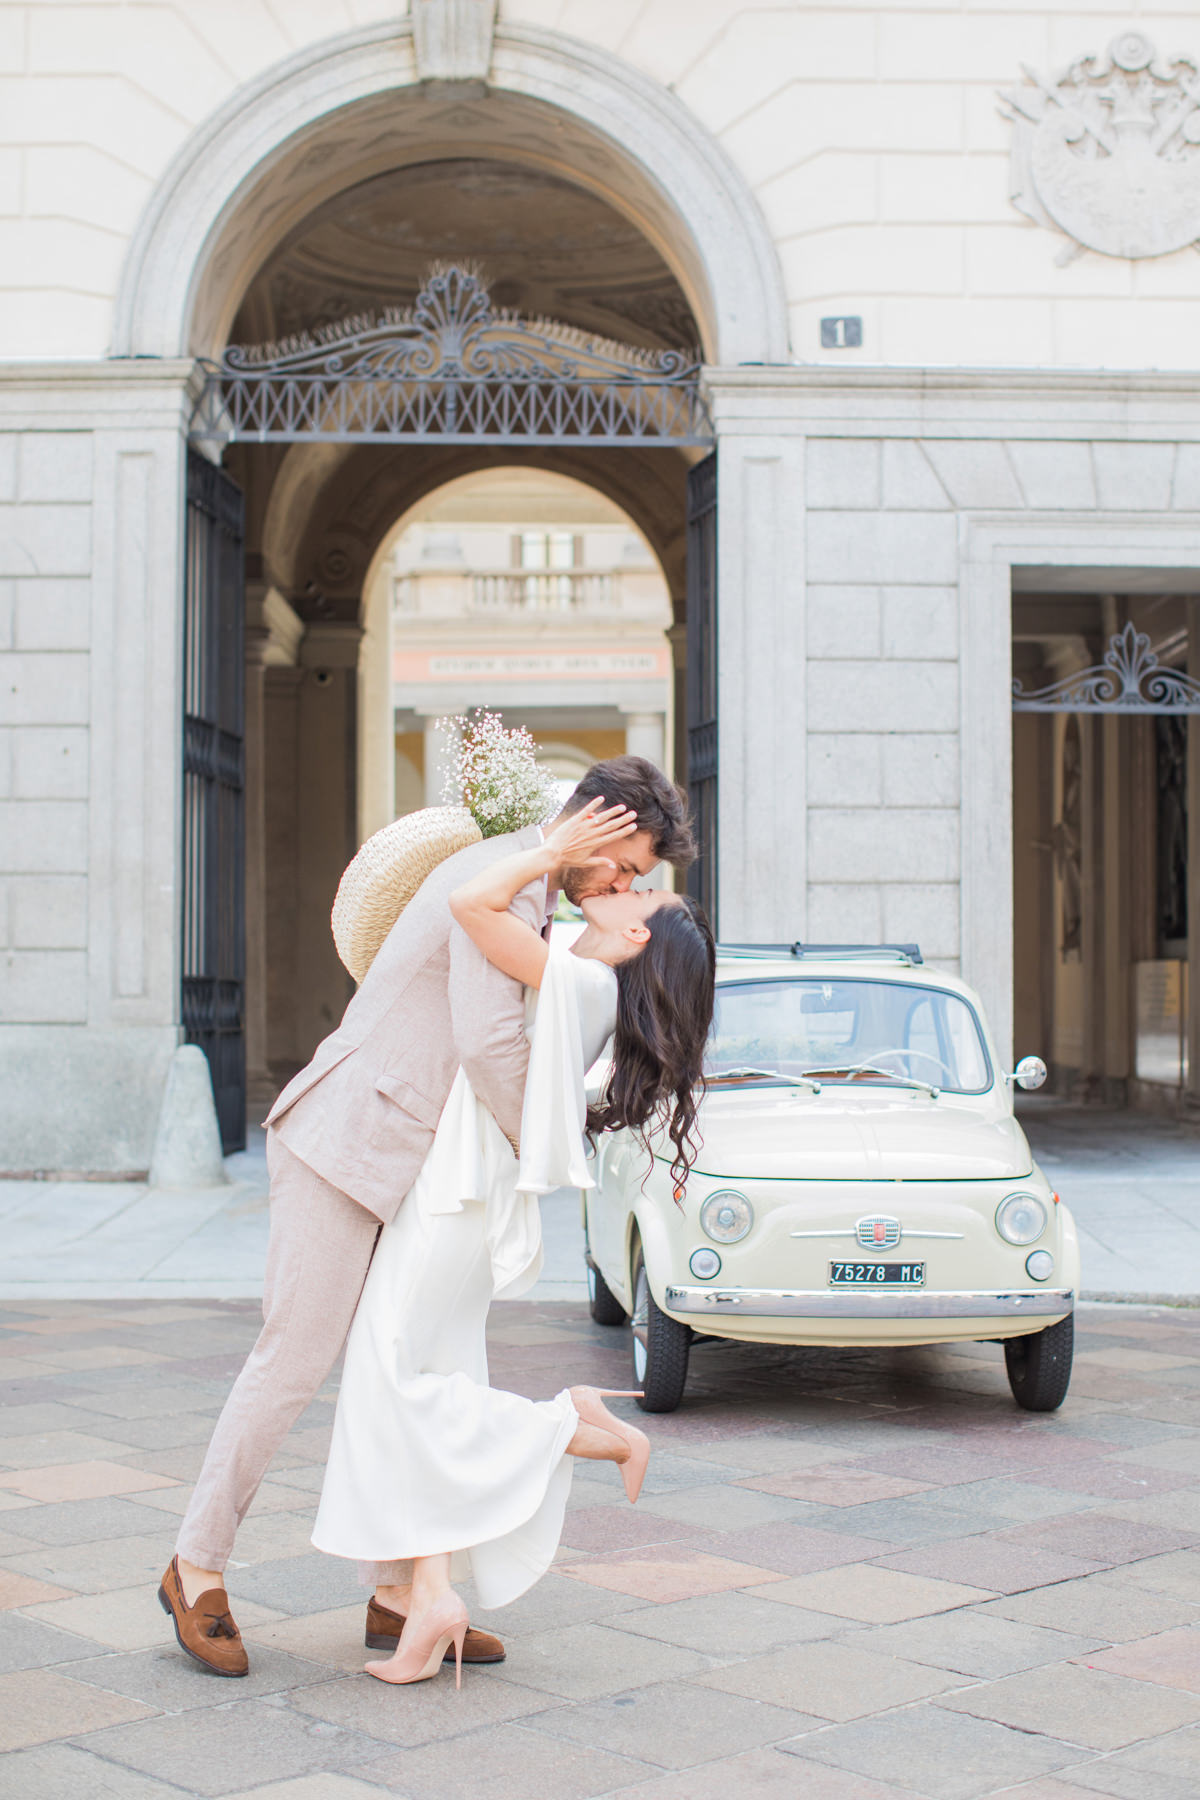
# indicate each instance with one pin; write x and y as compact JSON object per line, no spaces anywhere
{"x":852,"y":1576}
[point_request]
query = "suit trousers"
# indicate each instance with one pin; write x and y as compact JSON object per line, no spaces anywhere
{"x":320,"y":1249}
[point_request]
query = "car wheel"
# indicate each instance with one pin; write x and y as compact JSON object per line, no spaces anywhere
{"x":603,"y":1304}
{"x":660,"y":1348}
{"x":1039,"y":1366}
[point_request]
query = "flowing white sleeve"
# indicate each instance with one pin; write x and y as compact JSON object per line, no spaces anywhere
{"x":553,"y":1151}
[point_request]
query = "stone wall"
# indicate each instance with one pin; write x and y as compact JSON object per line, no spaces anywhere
{"x":870,"y":135}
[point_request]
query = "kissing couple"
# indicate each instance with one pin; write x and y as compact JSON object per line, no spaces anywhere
{"x":406,"y":1163}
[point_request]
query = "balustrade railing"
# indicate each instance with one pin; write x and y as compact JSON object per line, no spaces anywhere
{"x":509,"y":591}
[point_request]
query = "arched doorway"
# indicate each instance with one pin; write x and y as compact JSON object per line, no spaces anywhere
{"x":254,"y":234}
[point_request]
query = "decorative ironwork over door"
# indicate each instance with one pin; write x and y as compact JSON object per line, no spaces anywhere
{"x":702,"y":676}
{"x":1129,"y":680}
{"x":213,"y":770}
{"x":452,"y":369}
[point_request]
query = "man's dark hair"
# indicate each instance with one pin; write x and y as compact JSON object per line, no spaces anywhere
{"x":661,"y":807}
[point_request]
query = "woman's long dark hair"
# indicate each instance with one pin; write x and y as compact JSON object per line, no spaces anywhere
{"x":664,"y":1011}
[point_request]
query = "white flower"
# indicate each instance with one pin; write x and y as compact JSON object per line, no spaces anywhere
{"x":493,"y":772}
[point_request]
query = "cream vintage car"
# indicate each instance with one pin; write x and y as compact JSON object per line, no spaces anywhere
{"x":862,"y":1181}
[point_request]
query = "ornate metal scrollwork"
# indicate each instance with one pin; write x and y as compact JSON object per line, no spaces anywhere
{"x":1129,"y":680}
{"x":456,"y":368}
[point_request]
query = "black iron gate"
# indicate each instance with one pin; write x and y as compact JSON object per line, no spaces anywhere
{"x":702,"y":675}
{"x":213,"y":798}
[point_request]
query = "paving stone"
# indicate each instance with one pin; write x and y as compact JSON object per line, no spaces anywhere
{"x":1010,"y":1498}
{"x":1111,"y":1479}
{"x":768,"y":1774}
{"x":1086,"y":1706}
{"x":831,"y":1680}
{"x":976,"y":1641}
{"x":332,"y":1639}
{"x":127,"y":1619}
{"x":1051,"y":1788}
{"x":70,"y":1772}
{"x":41,"y":1449}
{"x":793,"y":1549}
{"x":673,"y":1725}
{"x":169,"y":1681}
{"x":730,"y":1624}
{"x":425,"y":1712}
{"x":1102,"y":1606}
{"x":666,"y":1572}
{"x":39,"y":1705}
{"x":296,"y":1584}
{"x":1177,"y":1574}
{"x":1167,"y":1769}
{"x":1171,"y":1658}
{"x":1098,"y":1537}
{"x":836,"y":1484}
{"x":85,"y":1521}
{"x":909,"y":1520}
{"x":725,"y":1508}
{"x":19,"y":1589}
{"x":82,"y":1569}
{"x":874,"y":1595}
{"x":612,"y":1528}
{"x":27,"y":1643}
{"x":181,"y":1429}
{"x":506,"y":1763}
{"x":217,"y":1750}
{"x":313,"y":1787}
{"x":926,"y":1750}
{"x":990,"y":1563}
{"x":556,"y":1600}
{"x":585,"y":1662}
{"x":82,"y":1481}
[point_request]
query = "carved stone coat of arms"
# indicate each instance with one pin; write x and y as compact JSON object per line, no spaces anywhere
{"x":1109,"y":151}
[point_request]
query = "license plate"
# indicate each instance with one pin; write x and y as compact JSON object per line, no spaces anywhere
{"x":876,"y":1274}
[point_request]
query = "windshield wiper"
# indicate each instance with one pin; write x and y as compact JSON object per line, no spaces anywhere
{"x":747,"y":1074}
{"x":908,"y":1081}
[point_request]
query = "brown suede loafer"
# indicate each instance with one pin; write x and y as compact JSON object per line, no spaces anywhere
{"x":205,"y":1631}
{"x":384,"y":1627}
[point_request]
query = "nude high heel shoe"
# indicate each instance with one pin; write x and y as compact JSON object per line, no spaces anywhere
{"x":422,"y":1645}
{"x":594,"y":1412}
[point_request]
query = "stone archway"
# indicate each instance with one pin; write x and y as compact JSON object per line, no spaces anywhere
{"x":345,"y":110}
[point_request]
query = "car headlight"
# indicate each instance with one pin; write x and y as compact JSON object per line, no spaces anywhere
{"x":1021,"y":1219}
{"x":726,"y":1216}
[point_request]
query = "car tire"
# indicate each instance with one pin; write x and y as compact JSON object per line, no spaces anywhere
{"x":603,"y":1304}
{"x":1039,"y":1365}
{"x":660,"y":1348}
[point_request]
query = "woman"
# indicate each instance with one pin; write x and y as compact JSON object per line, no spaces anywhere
{"x":428,"y":1462}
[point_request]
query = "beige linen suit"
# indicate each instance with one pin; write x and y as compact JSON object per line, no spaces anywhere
{"x":346,"y":1139}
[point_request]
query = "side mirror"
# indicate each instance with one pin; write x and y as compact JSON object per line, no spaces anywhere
{"x":1030,"y":1072}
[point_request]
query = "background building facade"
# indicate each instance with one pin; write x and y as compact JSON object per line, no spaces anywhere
{"x":939,"y":270}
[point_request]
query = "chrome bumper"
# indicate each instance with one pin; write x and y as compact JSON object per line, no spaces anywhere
{"x":850,"y":1303}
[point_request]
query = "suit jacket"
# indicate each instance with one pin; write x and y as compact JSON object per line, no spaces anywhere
{"x":364,"y":1111}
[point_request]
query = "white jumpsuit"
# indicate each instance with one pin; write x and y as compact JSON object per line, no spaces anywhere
{"x":426,"y":1457}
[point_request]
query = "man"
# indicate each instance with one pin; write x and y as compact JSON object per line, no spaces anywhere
{"x":345,"y":1141}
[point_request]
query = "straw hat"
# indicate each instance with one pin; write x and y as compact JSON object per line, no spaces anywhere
{"x":387,"y":872}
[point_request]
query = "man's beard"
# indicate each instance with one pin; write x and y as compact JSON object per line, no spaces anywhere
{"x":579,"y":884}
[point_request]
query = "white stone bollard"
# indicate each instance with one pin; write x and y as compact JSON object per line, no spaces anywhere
{"x":187,"y":1144}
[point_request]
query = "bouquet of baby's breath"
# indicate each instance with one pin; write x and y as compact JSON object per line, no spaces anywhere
{"x":493,"y":772}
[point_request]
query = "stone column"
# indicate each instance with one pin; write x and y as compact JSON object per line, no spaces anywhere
{"x":761,"y":533}
{"x":437,"y":757}
{"x":645,"y":736}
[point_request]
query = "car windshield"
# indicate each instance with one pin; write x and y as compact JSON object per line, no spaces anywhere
{"x":846,"y":1030}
